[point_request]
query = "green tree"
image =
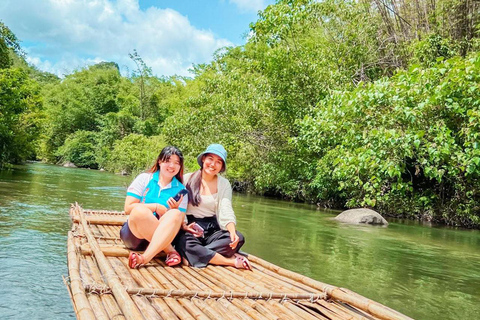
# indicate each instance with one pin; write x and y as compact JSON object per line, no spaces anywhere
{"x":19,"y":116}
{"x":134,"y":153}
{"x":80,"y":148}
{"x":79,"y":102}
{"x":8,"y":43}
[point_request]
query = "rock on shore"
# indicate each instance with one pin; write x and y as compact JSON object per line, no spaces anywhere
{"x":69,"y":165}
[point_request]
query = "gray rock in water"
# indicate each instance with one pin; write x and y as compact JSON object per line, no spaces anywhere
{"x":69,"y":165}
{"x":361,"y":215}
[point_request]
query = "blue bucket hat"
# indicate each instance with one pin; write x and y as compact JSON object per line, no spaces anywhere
{"x":216,"y":149}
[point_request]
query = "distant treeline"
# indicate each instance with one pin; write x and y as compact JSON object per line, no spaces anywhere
{"x":371,"y":103}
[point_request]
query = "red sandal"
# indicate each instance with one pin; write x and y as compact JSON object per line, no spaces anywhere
{"x":242,"y":262}
{"x":135,"y":260}
{"x":173,"y":259}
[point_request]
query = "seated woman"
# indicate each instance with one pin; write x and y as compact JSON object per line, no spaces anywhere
{"x":210,"y":208}
{"x":154,"y":216}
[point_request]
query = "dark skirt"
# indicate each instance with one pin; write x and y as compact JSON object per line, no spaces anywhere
{"x":199,"y":251}
{"x":130,"y":241}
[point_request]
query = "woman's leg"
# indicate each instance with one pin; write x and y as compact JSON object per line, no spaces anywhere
{"x":144,"y":225}
{"x":220,"y":260}
{"x":142,"y":222}
{"x":220,"y":243}
{"x":191,"y":248}
{"x":167,"y":229}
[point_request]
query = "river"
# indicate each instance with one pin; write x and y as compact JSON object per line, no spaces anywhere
{"x":422,"y":271}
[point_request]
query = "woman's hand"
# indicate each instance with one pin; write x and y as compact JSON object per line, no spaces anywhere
{"x":233,"y":235}
{"x":172,"y":204}
{"x":234,"y":240}
{"x":190,"y":228}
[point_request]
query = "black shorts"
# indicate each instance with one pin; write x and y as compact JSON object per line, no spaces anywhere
{"x":130,"y":241}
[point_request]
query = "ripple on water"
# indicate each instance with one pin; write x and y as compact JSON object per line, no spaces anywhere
{"x":32,"y":265}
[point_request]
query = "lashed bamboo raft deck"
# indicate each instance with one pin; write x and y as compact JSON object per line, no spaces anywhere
{"x":102,"y":286}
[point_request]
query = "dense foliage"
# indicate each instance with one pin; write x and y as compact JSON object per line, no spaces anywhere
{"x":407,"y":145}
{"x":343,"y":103}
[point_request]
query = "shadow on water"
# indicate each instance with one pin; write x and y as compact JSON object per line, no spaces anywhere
{"x":424,"y":272}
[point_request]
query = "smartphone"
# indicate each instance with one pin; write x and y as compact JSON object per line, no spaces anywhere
{"x":180,"y":193}
{"x":198,"y":228}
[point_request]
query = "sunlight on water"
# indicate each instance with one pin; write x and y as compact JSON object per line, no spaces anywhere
{"x":424,"y":272}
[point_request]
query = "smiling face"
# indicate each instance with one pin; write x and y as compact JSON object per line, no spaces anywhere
{"x":212,"y":164}
{"x":170,"y":167}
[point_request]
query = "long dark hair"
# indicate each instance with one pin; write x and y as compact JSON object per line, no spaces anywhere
{"x":194,"y":185}
{"x":164,"y":156}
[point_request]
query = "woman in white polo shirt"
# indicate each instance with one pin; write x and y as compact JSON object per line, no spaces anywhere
{"x":154,"y":216}
{"x":211,"y":235}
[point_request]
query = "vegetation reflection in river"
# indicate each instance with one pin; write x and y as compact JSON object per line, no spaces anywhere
{"x":424,"y":272}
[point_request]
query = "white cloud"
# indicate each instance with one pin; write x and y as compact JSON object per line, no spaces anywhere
{"x":250,"y":5}
{"x":63,"y":35}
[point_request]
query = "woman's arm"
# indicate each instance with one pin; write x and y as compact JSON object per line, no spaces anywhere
{"x":132,"y":202}
{"x":226,"y":215}
{"x":233,"y":235}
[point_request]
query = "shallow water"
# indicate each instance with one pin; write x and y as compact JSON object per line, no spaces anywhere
{"x":424,"y":272}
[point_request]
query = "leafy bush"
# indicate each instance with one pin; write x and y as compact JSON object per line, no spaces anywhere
{"x":134,"y":153}
{"x":19,"y":115}
{"x":406,"y":145}
{"x":80,"y":149}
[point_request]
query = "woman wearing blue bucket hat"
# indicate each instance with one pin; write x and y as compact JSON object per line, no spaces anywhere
{"x":210,"y":235}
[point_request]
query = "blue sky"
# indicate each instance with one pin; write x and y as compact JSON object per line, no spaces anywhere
{"x":60,"y":36}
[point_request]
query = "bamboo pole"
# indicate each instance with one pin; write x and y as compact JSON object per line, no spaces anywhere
{"x":305,"y":313}
{"x":69,"y":289}
{"x":128,"y":307}
{"x":358,"y":301}
{"x":224,"y":294}
{"x":338,"y":308}
{"x":150,"y":275}
{"x":80,"y":301}
{"x":343,"y":308}
{"x":270,"y":283}
{"x":163,"y":309}
{"x":107,"y":250}
{"x":104,"y":212}
{"x":321,"y":307}
{"x":125,"y":274}
{"x":212,"y":284}
{"x":223,"y":304}
{"x":222,"y":276}
{"x":276,"y":311}
{"x":268,"y":275}
{"x":109,"y":302}
{"x":193,"y":309}
{"x":169,"y":274}
{"x":114,"y":221}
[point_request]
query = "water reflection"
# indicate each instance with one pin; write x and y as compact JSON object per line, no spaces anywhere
{"x":415,"y":269}
{"x":424,"y":272}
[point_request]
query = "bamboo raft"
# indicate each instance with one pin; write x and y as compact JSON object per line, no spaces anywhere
{"x":102,"y":286}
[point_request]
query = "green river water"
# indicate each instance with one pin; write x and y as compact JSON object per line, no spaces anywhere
{"x":425,"y":272}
